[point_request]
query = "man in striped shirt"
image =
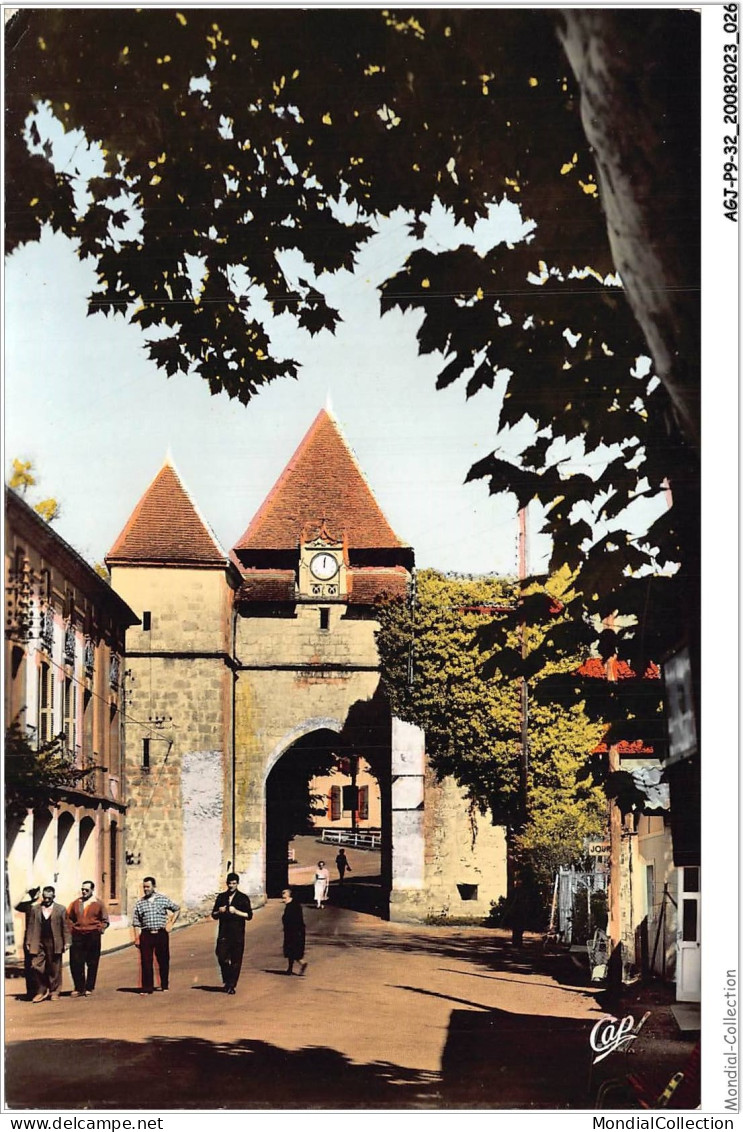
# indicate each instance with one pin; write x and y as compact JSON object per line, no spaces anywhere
{"x":153,"y":919}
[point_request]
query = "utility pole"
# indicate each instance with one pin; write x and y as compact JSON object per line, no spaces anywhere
{"x":614,"y":925}
{"x":523,"y":573}
{"x":517,"y":925}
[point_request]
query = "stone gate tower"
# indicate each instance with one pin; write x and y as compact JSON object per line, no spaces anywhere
{"x":256,"y":670}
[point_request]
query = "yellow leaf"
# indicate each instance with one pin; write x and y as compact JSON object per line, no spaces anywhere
{"x":588,"y":188}
{"x":254,"y":43}
{"x":533,"y":81}
{"x":33,"y":202}
{"x":327,"y":120}
{"x":181,"y":19}
{"x":426,"y":283}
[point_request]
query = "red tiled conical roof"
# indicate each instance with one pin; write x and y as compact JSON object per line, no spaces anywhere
{"x":166,"y":527}
{"x":321,"y":486}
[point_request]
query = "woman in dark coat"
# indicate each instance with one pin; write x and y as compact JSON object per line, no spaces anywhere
{"x":293,"y":922}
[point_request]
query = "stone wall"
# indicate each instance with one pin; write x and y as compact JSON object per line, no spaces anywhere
{"x":199,"y":807}
{"x":276,"y":641}
{"x":190,"y":609}
{"x":451,"y":859}
{"x":180,"y":707}
{"x":175,"y":828}
{"x":274,"y":709}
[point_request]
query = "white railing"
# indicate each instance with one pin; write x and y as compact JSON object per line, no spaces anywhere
{"x":368,"y":839}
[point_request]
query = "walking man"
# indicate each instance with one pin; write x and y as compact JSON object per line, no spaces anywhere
{"x":342,"y":863}
{"x":25,"y":906}
{"x":153,"y":919}
{"x":88,"y":918}
{"x":47,"y":937}
{"x":232,"y":910}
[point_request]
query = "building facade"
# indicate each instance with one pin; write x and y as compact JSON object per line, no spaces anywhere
{"x":255,"y":674}
{"x":65,"y":634}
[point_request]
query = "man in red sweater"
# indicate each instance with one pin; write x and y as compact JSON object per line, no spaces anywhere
{"x":88,"y":918}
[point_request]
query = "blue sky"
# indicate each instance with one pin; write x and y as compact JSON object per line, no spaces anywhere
{"x":96,"y":417}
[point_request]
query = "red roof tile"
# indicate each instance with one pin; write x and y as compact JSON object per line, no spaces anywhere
{"x":366,"y":586}
{"x":267,"y":585}
{"x":628,"y":747}
{"x":166,"y":527}
{"x":595,"y":668}
{"x":321,"y":485}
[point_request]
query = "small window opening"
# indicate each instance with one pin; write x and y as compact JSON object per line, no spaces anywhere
{"x":324,"y":618}
{"x":467,"y":891}
{"x":145,"y":754}
{"x":146,"y":621}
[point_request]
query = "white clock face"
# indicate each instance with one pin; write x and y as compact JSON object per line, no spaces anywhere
{"x":324,"y":566}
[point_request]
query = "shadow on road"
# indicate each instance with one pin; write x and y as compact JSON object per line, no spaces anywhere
{"x":491,"y":951}
{"x":492,"y":1059}
{"x":192,"y":1073}
{"x":363,"y":894}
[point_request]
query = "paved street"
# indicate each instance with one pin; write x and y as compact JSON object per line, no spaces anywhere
{"x":387,"y":1016}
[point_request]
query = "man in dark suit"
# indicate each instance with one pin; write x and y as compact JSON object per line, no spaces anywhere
{"x":232,"y":910}
{"x":47,"y":937}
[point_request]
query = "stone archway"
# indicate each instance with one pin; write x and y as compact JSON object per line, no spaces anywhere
{"x":289,"y":804}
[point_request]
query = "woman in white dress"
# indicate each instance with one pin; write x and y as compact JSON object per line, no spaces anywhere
{"x":322,"y":881}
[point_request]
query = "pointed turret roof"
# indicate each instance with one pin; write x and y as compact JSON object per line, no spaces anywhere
{"x":321,"y":488}
{"x":166,"y":527}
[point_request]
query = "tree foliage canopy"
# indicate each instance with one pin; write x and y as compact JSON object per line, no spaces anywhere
{"x":432,"y":674}
{"x":34,"y":776}
{"x":22,"y":478}
{"x":234,"y":137}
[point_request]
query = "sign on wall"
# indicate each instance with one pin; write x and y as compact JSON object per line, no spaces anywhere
{"x":681,"y":718}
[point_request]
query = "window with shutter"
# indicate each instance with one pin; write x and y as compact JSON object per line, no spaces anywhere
{"x":44,"y":721}
{"x":335,"y":803}
{"x":363,"y":803}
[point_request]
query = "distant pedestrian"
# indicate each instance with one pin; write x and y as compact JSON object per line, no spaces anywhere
{"x":342,"y":863}
{"x":322,"y":883}
{"x":294,"y":933}
{"x":88,"y":918}
{"x":232,"y":909}
{"x":153,"y":919}
{"x":25,"y":906}
{"x":47,"y":937}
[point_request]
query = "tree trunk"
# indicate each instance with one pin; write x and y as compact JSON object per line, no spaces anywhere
{"x":639,"y":76}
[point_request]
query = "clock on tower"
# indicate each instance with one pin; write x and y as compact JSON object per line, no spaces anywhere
{"x":322,"y":568}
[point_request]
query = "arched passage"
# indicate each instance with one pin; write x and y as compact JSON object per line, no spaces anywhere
{"x":289,"y":803}
{"x":343,"y":766}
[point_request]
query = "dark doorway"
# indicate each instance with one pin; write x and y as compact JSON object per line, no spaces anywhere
{"x":289,"y":804}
